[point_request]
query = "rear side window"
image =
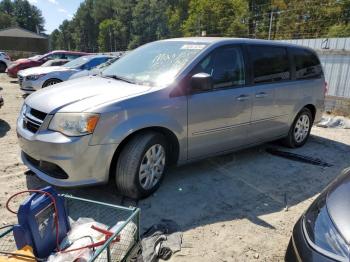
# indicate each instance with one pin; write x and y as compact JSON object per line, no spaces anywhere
{"x":95,"y":62}
{"x":307,"y":64}
{"x":72,"y":56}
{"x":270,"y":64}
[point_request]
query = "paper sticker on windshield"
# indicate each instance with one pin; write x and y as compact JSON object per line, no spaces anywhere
{"x":193,"y":47}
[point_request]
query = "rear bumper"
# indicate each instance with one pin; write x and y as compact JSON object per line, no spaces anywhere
{"x":299,"y":250}
{"x":80,"y":163}
{"x":12,"y":72}
{"x":319,"y":112}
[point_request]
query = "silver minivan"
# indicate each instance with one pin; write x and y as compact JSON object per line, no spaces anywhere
{"x":168,"y":103}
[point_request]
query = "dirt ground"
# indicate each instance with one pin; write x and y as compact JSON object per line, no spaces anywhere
{"x":230,"y":208}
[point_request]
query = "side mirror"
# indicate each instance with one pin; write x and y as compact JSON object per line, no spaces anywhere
{"x":201,"y":82}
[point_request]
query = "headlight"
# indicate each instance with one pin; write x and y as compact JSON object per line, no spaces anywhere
{"x":74,"y":124}
{"x":34,"y":77}
{"x":321,"y":233}
{"x":23,"y":110}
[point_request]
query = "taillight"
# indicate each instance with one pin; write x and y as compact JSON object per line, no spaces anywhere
{"x":325,"y":87}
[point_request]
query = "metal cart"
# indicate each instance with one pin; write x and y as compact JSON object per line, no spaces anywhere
{"x":107,"y":214}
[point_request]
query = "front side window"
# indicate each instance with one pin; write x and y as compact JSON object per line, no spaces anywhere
{"x":307,"y":65}
{"x":225,"y":65}
{"x":228,"y":68}
{"x":270,"y":64}
{"x":155,"y":64}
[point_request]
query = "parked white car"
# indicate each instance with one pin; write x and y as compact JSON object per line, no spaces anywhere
{"x":5,"y":62}
{"x":95,"y":71}
{"x":35,"y":78}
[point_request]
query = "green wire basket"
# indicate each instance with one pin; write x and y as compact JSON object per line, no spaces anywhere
{"x":104,"y":213}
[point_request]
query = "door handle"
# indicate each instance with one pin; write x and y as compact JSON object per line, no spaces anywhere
{"x":261,"y":95}
{"x":242,"y":98}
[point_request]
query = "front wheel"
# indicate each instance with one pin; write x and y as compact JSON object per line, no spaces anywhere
{"x":2,"y":67}
{"x":141,"y":165}
{"x":300,"y":129}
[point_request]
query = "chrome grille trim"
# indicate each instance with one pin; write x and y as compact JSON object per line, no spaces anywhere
{"x":31,"y":122}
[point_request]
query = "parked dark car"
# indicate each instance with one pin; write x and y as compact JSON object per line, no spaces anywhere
{"x":25,"y":63}
{"x":323,"y":232}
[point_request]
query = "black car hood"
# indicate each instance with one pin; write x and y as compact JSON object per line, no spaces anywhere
{"x":338,"y":204}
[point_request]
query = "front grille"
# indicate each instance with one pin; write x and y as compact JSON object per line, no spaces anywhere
{"x":48,"y":168}
{"x":31,"y":126}
{"x":38,"y":114}
{"x":33,"y":119}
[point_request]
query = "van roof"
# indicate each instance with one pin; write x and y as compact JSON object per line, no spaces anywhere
{"x":212,"y":40}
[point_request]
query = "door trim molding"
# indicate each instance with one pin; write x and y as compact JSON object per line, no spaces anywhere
{"x":226,"y":128}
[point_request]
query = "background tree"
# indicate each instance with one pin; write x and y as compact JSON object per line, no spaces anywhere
{"x":54,"y":40}
{"x":21,"y":13}
{"x":112,"y":36}
{"x":110,"y":25}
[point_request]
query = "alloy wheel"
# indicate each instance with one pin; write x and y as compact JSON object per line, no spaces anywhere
{"x":301,"y":129}
{"x":152,"y":166}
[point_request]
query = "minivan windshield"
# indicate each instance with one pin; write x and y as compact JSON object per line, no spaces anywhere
{"x":154,"y":64}
{"x":77,"y":62}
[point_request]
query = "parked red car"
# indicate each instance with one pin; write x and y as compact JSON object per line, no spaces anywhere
{"x":38,"y":60}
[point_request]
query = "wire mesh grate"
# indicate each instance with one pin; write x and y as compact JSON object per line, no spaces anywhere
{"x":7,"y":242}
{"x":108,"y":215}
{"x":126,"y":219}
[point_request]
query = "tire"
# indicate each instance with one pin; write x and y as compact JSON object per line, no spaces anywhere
{"x":51,"y":82}
{"x":2,"y":67}
{"x":300,"y":129}
{"x":130,"y":180}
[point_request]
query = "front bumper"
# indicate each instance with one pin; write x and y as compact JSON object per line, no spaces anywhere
{"x":83,"y":164}
{"x":28,"y":86}
{"x":299,"y":250}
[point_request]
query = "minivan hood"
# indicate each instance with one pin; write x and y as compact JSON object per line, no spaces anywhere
{"x":43,"y":70}
{"x":338,"y":204}
{"x":82,"y":94}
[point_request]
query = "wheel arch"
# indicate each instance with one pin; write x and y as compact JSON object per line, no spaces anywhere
{"x":312,"y":108}
{"x":300,"y":106}
{"x":171,"y":138}
{"x":3,"y":63}
{"x":50,"y":79}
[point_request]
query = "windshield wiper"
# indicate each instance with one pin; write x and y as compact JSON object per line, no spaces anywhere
{"x":119,"y":78}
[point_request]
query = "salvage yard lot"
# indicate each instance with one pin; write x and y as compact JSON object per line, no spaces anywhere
{"x":230,"y":208}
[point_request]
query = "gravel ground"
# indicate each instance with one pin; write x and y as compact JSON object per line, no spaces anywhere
{"x":231,"y":208}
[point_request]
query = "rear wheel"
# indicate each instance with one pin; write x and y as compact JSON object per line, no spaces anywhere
{"x":2,"y":67}
{"x":141,"y":165}
{"x":51,"y":82}
{"x":300,"y":129}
